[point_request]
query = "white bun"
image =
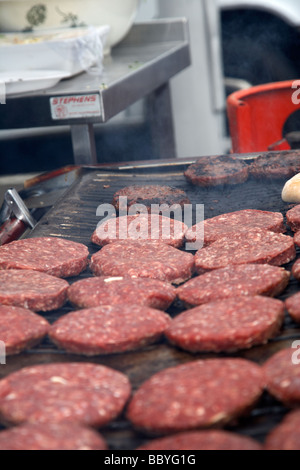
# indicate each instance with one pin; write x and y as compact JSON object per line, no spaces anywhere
{"x":291,"y":190}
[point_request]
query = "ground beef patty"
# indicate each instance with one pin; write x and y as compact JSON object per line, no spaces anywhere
{"x":194,"y":395}
{"x":227,"y":325}
{"x":54,"y":256}
{"x":32,"y":289}
{"x":282,"y":376}
{"x":86,"y":393}
{"x":296,"y":270}
{"x":293,"y":218}
{"x":276,"y":165}
{"x":20,"y":329}
{"x":140,"y":227}
{"x":252,"y":247}
{"x":286,"y":436}
{"x":109,"y":329}
{"x":239,"y":221}
{"x":292,"y":305}
{"x":215,"y":170}
{"x":297,"y":238}
{"x":96,"y":291}
{"x":203,"y":440}
{"x":51,"y":436}
{"x":144,"y":259}
{"x":148,"y":195}
{"x":233,"y":281}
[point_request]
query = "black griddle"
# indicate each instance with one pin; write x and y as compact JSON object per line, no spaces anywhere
{"x":74,"y":217}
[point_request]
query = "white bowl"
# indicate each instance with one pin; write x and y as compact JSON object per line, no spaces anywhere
{"x":17,"y":15}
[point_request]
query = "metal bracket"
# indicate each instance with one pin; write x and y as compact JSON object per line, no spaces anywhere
{"x":14,"y":206}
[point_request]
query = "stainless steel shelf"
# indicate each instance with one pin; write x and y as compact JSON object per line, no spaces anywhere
{"x":141,"y":66}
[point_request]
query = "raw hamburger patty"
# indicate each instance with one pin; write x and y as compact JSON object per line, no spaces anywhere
{"x":220,"y":169}
{"x":292,"y":305}
{"x":286,"y":436}
{"x":203,"y":440}
{"x":296,"y":270}
{"x":282,"y":376}
{"x":32,"y":289}
{"x":297,"y":238}
{"x":20,"y":329}
{"x":54,"y":256}
{"x":244,"y":279}
{"x":51,"y":436}
{"x":140,"y":227}
{"x":293,"y":218}
{"x":255,"y":246}
{"x":144,"y":259}
{"x":93,"y":292}
{"x":73,"y":392}
{"x":148,"y":195}
{"x":195,"y":395}
{"x":276,"y":165}
{"x":227,"y":325}
{"x":109,"y":329}
{"x":239,"y":221}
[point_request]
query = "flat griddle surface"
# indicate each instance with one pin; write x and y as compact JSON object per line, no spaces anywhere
{"x":74,"y":218}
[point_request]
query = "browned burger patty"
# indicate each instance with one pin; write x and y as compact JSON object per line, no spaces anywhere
{"x":252,"y":247}
{"x":286,"y":436}
{"x":85,"y":393}
{"x":233,"y":281}
{"x":109,"y":329}
{"x":143,"y":259}
{"x":216,"y":170}
{"x":140,"y":227}
{"x":276,"y":165}
{"x":20,"y":329}
{"x":149,"y":195}
{"x":282,"y":376}
{"x":51,"y":436}
{"x":227,"y":325}
{"x":195,"y":395}
{"x":51,"y":255}
{"x":203,"y":440}
{"x":236,"y":222}
{"x":96,"y":291}
{"x":32,"y":289}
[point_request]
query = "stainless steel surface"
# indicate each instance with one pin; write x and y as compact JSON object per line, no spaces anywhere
{"x":83,"y":142}
{"x":151,"y":54}
{"x":14,"y":206}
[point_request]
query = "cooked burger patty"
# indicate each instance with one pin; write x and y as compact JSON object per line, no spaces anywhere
{"x":213,"y":171}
